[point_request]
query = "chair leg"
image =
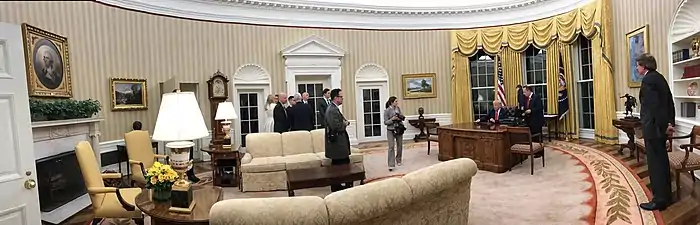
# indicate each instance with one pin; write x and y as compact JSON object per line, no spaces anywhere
{"x":692,"y":174}
{"x":542,"y":158}
{"x":428,"y":147}
{"x":678,"y":185}
{"x":532,"y":164}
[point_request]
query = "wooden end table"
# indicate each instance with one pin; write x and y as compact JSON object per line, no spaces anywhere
{"x":550,"y":119}
{"x":222,"y":159}
{"x":324,"y":176}
{"x":160,"y":214}
{"x":628,"y":126}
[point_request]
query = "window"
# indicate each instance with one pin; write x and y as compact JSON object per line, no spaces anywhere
{"x":372,"y":112}
{"x":250,"y":121}
{"x":536,"y":72}
{"x":585,"y":83}
{"x":482,"y":79}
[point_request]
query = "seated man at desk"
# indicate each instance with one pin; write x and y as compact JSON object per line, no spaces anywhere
{"x":495,"y":115}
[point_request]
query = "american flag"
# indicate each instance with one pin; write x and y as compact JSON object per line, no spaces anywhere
{"x":500,"y":90}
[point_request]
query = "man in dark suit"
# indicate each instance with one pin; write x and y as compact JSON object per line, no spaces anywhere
{"x":658,"y":119}
{"x":533,"y":109}
{"x":279,"y":114}
{"x":337,"y":138}
{"x":496,"y":114}
{"x":323,"y":107}
{"x":302,"y":115}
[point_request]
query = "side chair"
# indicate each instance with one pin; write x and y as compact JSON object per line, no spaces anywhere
{"x":528,"y":146}
{"x":141,"y":156}
{"x":686,"y":161}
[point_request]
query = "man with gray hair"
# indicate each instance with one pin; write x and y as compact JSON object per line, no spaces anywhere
{"x":494,"y":115}
{"x":280,"y":115}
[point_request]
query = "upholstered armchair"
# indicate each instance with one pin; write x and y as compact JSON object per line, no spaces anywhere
{"x":141,"y":156}
{"x":107,"y":202}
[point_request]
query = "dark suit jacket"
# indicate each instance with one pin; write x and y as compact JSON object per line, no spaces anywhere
{"x":521,"y":97}
{"x":536,"y":117}
{"x":502,"y":114}
{"x":657,"y":109}
{"x":322,"y":112}
{"x":301,"y":117}
{"x":339,"y":146}
{"x":280,"y":115}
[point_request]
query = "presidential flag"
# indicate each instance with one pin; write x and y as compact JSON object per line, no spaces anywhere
{"x":500,"y":90}
{"x":563,"y":99}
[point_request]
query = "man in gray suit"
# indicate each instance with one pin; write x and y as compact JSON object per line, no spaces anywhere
{"x":337,"y":139}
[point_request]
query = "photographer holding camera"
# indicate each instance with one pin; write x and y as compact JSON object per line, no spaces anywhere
{"x":393,"y":120}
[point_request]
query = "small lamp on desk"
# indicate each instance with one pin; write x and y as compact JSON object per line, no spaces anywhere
{"x":226,"y":112}
{"x":179,"y":122}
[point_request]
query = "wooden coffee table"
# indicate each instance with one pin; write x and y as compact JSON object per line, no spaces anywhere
{"x":323,"y":176}
{"x":205,"y":196}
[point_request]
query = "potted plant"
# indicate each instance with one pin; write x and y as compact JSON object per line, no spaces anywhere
{"x":160,"y":178}
{"x":63,"y":109}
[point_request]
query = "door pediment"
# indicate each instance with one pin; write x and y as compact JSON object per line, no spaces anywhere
{"x":313,"y":46}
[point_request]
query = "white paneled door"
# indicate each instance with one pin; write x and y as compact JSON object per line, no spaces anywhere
{"x":19,"y":199}
{"x":370,"y":115}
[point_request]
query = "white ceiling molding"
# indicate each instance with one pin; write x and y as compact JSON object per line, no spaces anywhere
{"x":313,"y":46}
{"x":371,"y":72}
{"x":299,"y":13}
{"x":251,"y":74}
{"x":685,"y":23}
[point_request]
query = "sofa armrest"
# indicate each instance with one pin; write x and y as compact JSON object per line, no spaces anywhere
{"x":246,"y":158}
{"x":355,"y":150}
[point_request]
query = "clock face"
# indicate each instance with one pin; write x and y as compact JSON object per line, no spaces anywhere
{"x":219,"y":88}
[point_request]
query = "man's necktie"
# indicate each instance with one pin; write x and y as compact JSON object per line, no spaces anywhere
{"x":527,"y":104}
{"x":496,"y":115}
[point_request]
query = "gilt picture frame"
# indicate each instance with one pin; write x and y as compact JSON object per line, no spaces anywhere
{"x":47,"y":63}
{"x":128,"y":94}
{"x":637,"y":43}
{"x":420,"y":85}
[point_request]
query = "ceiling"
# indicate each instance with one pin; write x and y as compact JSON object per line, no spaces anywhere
{"x":414,"y":3}
{"x":358,"y":14}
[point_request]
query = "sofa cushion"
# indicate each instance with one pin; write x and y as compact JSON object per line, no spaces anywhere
{"x":264,"y":164}
{"x":368,"y":201}
{"x":302,"y":161}
{"x":354,"y":158}
{"x":264,"y":144}
{"x":306,"y":210}
{"x":296,"y":142}
{"x":431,"y":180}
{"x":318,"y":137}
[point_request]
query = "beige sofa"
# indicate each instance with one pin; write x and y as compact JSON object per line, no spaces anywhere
{"x":438,"y":194}
{"x":269,"y":155}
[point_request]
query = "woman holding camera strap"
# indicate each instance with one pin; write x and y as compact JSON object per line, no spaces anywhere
{"x":393,"y":120}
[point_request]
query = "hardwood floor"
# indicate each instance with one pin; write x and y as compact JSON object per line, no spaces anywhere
{"x":685,"y":211}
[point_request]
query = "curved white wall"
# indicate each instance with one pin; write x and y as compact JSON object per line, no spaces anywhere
{"x":300,"y":13}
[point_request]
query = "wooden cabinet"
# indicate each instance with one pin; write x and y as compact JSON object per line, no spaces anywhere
{"x":487,"y":145}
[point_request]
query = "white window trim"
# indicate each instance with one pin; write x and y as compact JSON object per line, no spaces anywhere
{"x":524,"y":69}
{"x":585,"y":133}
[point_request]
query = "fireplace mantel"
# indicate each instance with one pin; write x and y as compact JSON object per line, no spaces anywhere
{"x":55,"y":137}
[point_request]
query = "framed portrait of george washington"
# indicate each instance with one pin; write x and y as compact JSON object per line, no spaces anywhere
{"x":48,"y":64}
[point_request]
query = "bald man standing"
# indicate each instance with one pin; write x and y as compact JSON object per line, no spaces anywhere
{"x":280,"y":115}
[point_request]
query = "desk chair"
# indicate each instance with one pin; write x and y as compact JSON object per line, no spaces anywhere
{"x":685,"y":161}
{"x":431,"y":130}
{"x":141,"y":157}
{"x":526,"y":147}
{"x":107,"y":202}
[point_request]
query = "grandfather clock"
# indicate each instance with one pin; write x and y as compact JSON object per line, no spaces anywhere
{"x":218,"y":92}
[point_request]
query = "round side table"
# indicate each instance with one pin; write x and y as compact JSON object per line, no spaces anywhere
{"x":204,"y":196}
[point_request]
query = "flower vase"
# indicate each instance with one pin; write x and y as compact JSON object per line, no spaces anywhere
{"x":161,"y":194}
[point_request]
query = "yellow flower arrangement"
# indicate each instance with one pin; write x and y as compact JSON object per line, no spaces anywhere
{"x":160,"y":177}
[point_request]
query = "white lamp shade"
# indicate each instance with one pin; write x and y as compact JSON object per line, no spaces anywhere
{"x":179,"y":118}
{"x":225,"y":111}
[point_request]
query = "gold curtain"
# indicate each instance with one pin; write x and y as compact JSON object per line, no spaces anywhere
{"x":570,"y":123}
{"x":552,"y":78}
{"x":540,"y":33}
{"x":603,"y":81}
{"x":462,"y":110}
{"x":512,"y":63}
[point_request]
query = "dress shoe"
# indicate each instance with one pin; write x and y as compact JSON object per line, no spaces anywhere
{"x":649,"y":206}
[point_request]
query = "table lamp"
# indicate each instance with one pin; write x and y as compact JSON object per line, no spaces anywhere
{"x":179,"y":122}
{"x":226,"y":112}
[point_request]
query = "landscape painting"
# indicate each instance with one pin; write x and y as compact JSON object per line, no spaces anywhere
{"x":419,"y":85}
{"x":128,"y":94}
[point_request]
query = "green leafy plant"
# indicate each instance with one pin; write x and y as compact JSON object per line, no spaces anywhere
{"x":64,"y":109}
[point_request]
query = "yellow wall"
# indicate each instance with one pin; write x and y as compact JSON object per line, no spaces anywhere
{"x":111,"y":42}
{"x":632,"y":14}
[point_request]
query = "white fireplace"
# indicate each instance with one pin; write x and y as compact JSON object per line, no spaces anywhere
{"x":54,"y":138}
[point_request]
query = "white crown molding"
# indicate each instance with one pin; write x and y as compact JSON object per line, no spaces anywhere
{"x":371,"y":72}
{"x":251,"y":74}
{"x":300,"y":13}
{"x":313,"y":46}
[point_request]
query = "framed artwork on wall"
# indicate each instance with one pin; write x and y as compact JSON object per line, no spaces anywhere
{"x":48,"y":64}
{"x":128,"y":94}
{"x":637,"y":44}
{"x":418,"y":85}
